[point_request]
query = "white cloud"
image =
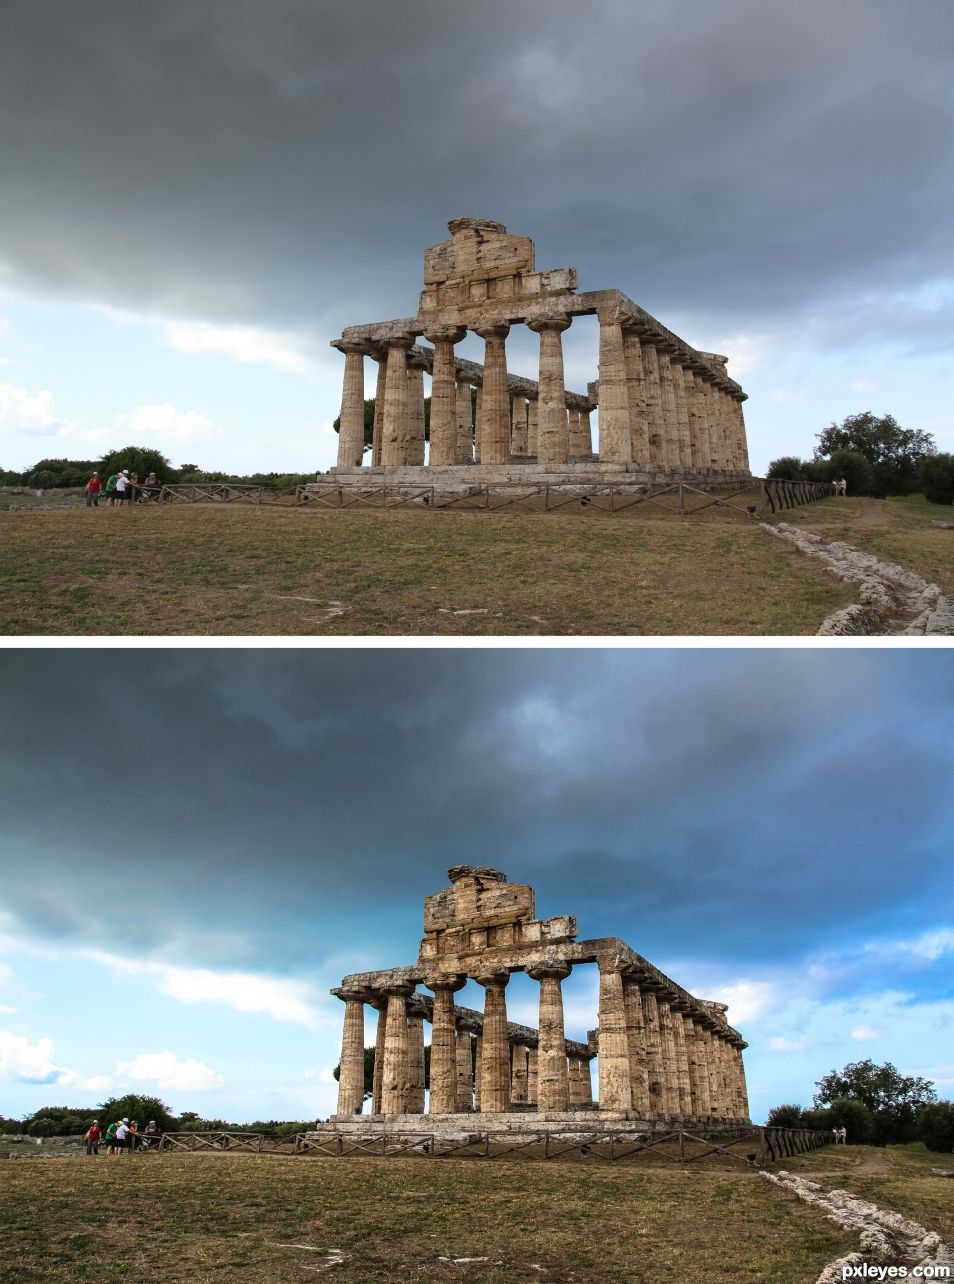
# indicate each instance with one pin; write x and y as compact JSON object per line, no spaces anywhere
{"x":166,"y":1071}
{"x":779,"y":1044}
{"x":22,"y":411}
{"x":747,"y":1000}
{"x":26,"y":1061}
{"x":866,"y":1033}
{"x":166,"y":423}
{"x":282,"y":999}
{"x":247,"y":344}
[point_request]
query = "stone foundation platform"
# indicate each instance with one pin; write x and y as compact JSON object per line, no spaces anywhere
{"x":587,"y":473}
{"x":591,"y":1121}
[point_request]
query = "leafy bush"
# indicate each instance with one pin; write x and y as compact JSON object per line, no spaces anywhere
{"x":785,"y":1117}
{"x":936,"y":478}
{"x":788,"y":468}
{"x":936,"y":1126}
{"x":142,"y":1109}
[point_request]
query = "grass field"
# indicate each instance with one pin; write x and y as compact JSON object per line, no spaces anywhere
{"x":220,"y":1217}
{"x":195,"y":570}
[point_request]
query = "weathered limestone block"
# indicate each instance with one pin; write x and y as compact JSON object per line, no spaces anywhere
{"x":445,"y":1090}
{"x":465,"y":1072}
{"x":351,"y":427}
{"x":414,"y":446}
{"x":553,"y":1089}
{"x":699,"y":1080}
{"x":415,"y":1058}
{"x":395,"y":1077}
{"x":377,"y":439}
{"x":380,"y":1003}
{"x":652,"y":1042}
{"x":680,"y":377}
{"x":465,"y":423}
{"x":615,"y":435}
{"x":518,"y":1073}
{"x":615,"y":1085}
{"x":552,"y":436}
{"x":532,"y":1077}
{"x":493,"y":409}
{"x":635,"y":394}
{"x":495,"y":1046}
{"x":683,"y":1082}
{"x":670,"y":1083}
{"x":351,"y":1077}
{"x":444,"y":429}
{"x":635,"y":1039}
{"x":652,"y":399}
{"x":670,"y":439}
{"x":394,"y":445}
{"x":532,"y":425}
{"x":518,"y":428}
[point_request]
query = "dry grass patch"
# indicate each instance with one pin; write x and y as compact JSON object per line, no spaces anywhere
{"x":196,"y":570}
{"x":197,"y":1219}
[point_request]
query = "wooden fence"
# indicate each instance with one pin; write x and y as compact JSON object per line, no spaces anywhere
{"x":753,"y":499}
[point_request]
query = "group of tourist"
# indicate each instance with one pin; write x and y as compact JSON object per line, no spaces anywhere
{"x":840,"y":485}
{"x":121,"y":488}
{"x":840,"y":1136}
{"x":122,"y":1137}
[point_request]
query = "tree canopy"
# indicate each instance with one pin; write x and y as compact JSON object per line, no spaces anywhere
{"x":894,"y":1100}
{"x":892,"y":451}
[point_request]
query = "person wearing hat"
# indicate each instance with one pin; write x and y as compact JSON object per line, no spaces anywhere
{"x":94,"y":1135}
{"x":93,"y":487}
{"x":110,"y":491}
{"x":122,"y":1131}
{"x":149,"y":1134}
{"x":110,"y":1138}
{"x":122,"y":486}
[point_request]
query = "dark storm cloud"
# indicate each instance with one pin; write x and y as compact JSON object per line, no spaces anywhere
{"x":272,"y":808}
{"x":286,"y":162}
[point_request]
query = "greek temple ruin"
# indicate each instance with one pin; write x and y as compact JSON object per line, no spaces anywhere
{"x":665,"y":410}
{"x":662,"y":1055}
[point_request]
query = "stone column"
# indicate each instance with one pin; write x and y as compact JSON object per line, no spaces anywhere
{"x":553,"y":1088}
{"x":652,"y":1042}
{"x":699,"y":440}
{"x":716,"y":1076}
{"x":553,"y":447}
{"x":493,"y":410}
{"x":351,"y":1075}
{"x":444,"y":429}
{"x":416,"y":1011}
{"x":532,"y":1076}
{"x":414,"y":451}
{"x":575,"y":1081}
{"x":638,"y":1066}
{"x":478,"y":1061}
{"x":532,"y":421}
{"x":695,"y":1045}
{"x":351,"y":426}
{"x":495,"y":1045}
{"x":465,"y":1071}
{"x":518,"y":428}
{"x":638,"y":427}
{"x":377,"y":438}
{"x":465,"y":423}
{"x":394,"y":432}
{"x":444,"y":1069}
{"x":615,"y":1084}
{"x":615,"y":438}
{"x":683,"y":1081}
{"x":668,"y":403}
{"x":652,"y":399}
{"x":586,"y":433}
{"x":742,"y":447}
{"x":380,"y":1004}
{"x":682,"y":387}
{"x":740,"y":1079}
{"x":518,"y":1073}
{"x":394,"y":1079}
{"x":586,"y":1083}
{"x":669,"y":1083}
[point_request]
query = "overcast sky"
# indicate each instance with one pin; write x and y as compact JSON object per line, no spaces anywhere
{"x":198,"y":195}
{"x":196,"y":845}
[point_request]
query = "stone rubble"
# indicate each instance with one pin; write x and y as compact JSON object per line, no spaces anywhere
{"x":886,"y":1238}
{"x":894,"y":601}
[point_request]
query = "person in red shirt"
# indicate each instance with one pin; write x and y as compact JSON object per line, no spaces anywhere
{"x":94,"y":1135}
{"x":93,"y":487}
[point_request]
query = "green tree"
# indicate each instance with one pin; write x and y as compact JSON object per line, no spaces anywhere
{"x":893,"y":452}
{"x":788,"y":468}
{"x":855,"y":1117}
{"x":785,"y":1117}
{"x":140,"y":459}
{"x":59,"y":472}
{"x":854,"y":468}
{"x":10,"y":478}
{"x":58,"y":1121}
{"x":935,"y":478}
{"x":142,"y":1109}
{"x":894,"y":1100}
{"x":936,"y":1126}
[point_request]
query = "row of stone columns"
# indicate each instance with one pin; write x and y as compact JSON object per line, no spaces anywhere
{"x":660,"y":407}
{"x":507,"y":1072}
{"x":657,"y":1055}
